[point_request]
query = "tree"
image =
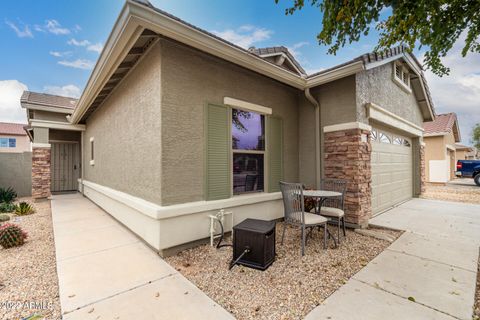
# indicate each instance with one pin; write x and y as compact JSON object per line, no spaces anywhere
{"x":435,"y":24}
{"x":476,"y":136}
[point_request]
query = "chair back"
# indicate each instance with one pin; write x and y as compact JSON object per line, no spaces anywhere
{"x":336,"y":185}
{"x":293,"y":202}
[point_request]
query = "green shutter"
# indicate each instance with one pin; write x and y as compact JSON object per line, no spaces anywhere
{"x":275,"y":153}
{"x":218,"y":152}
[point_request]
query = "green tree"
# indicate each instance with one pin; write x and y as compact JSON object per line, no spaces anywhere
{"x":435,"y":24}
{"x":476,"y":136}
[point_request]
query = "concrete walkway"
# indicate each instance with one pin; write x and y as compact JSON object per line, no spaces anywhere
{"x":428,"y":273}
{"x":105,"y":272}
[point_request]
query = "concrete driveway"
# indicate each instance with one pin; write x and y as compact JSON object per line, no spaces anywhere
{"x":105,"y":272}
{"x":428,"y":273}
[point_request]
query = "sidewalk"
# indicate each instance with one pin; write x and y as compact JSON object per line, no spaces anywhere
{"x":428,"y":273}
{"x":105,"y":272}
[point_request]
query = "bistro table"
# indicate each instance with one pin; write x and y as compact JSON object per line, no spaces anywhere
{"x":319,"y":197}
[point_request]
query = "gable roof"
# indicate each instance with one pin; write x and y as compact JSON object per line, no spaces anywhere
{"x":44,"y":101}
{"x":443,"y":124}
{"x":14,"y":129}
{"x":459,"y":146}
{"x":280,"y":51}
{"x":139,"y":18}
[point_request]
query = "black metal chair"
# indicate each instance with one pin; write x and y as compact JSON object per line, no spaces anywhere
{"x":334,"y":207}
{"x":295,"y":214}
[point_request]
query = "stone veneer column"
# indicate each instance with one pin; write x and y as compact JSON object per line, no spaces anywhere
{"x":40,"y":172}
{"x":422,"y":169}
{"x":348,"y":157}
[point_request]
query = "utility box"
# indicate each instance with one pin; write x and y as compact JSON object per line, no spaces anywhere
{"x":257,"y":236}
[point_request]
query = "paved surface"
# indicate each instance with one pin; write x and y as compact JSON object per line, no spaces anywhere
{"x":433,"y":263}
{"x":105,"y":272}
{"x":462,"y":182}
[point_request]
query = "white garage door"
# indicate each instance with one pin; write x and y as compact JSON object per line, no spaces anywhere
{"x":392,"y":169}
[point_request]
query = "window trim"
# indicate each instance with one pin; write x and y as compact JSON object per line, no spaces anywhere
{"x":7,"y":146}
{"x":405,"y":74}
{"x":92,"y":151}
{"x":243,"y":151}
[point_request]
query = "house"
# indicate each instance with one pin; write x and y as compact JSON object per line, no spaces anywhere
{"x":465,"y":152}
{"x":13,"y":138}
{"x":176,"y":123}
{"x":440,"y":138}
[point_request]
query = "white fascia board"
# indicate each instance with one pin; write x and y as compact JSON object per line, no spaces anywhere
{"x":335,"y":74}
{"x":436,"y":134}
{"x":56,"y":125}
{"x":158,"y":212}
{"x":247,"y":106}
{"x":284,"y":56}
{"x":347,"y":126}
{"x":450,"y":147}
{"x":381,"y":115}
{"x":41,"y":145}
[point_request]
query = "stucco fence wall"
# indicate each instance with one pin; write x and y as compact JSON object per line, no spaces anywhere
{"x":16,"y":172}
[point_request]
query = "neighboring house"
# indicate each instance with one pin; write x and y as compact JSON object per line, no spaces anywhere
{"x":13,"y":138}
{"x":440,"y":138}
{"x":176,"y":123}
{"x":465,"y":152}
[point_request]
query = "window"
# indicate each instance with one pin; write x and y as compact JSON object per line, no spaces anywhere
{"x":8,"y":142}
{"x":401,"y":75}
{"x":374,"y":135}
{"x":384,"y":138}
{"x":248,"y":151}
{"x":92,"y":151}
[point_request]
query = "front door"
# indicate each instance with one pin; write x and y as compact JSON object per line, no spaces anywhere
{"x":65,"y":166}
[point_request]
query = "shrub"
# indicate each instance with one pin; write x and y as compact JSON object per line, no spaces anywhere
{"x":7,"y":207}
{"x":24,"y":208}
{"x":7,"y":195}
{"x":12,"y":235}
{"x":4,"y":217}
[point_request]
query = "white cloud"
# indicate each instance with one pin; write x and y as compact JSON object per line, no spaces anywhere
{"x":294,"y":49}
{"x":97,"y":47}
{"x":77,"y":28}
{"x":78,"y":43}
{"x":10,"y":108}
{"x":60,"y":54}
{"x":21,"y":33}
{"x":69,"y":90}
{"x":245,"y":36}
{"x":459,"y":92}
{"x":53,"y":26}
{"x":78,"y":64}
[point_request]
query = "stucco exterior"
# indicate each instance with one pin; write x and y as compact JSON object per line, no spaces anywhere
{"x":377,"y":86}
{"x":440,"y":157}
{"x":127,"y":134}
{"x":192,"y":79}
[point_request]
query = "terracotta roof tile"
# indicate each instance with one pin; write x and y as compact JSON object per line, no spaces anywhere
{"x":48,"y":100}
{"x":443,"y":123}
{"x":15,"y":129}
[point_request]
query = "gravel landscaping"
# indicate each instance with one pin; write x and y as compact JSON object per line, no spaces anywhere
{"x":292,"y":286}
{"x":28,"y":278}
{"x":453,"y":192}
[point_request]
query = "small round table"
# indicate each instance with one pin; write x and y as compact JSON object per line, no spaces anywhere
{"x":320,"y":196}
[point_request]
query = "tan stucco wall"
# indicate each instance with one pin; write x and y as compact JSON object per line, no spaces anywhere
{"x":22,"y":144}
{"x":435,"y":149}
{"x":50,"y":116}
{"x":40,"y":135}
{"x":192,"y":79}
{"x":377,"y":86}
{"x":461,"y":155}
{"x":126,"y":131}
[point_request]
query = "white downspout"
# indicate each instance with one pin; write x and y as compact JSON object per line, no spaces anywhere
{"x":318,"y":168}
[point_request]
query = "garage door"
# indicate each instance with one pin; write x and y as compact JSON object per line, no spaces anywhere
{"x":392,"y":169}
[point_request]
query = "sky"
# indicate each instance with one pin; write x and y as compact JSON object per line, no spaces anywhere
{"x":51,"y":46}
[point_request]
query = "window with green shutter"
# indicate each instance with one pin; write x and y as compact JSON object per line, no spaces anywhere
{"x":275,"y":153}
{"x":217,"y":152}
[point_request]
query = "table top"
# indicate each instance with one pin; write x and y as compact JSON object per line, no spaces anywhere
{"x":321,"y":193}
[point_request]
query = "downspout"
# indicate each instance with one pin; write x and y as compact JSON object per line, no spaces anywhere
{"x":318,"y":168}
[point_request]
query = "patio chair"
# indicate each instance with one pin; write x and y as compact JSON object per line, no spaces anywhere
{"x":295,"y":214}
{"x":333,"y":208}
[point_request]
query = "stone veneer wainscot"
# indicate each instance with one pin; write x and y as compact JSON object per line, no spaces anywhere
{"x":348,"y":157}
{"x":40,"y":172}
